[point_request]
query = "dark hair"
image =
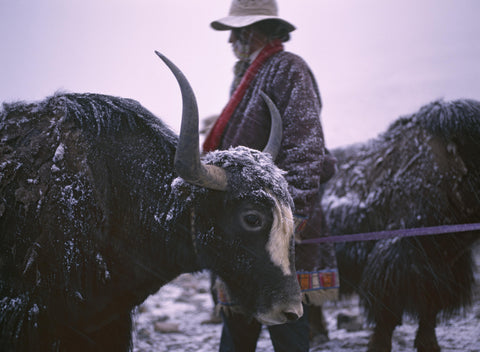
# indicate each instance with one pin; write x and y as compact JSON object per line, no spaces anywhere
{"x":274,"y":29}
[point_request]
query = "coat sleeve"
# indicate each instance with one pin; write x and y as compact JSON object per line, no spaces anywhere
{"x":302,"y":154}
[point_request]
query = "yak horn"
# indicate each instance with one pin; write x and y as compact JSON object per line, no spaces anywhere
{"x":187,"y":157}
{"x":276,"y":130}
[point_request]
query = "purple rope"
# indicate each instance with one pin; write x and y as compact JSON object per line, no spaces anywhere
{"x":382,"y":235}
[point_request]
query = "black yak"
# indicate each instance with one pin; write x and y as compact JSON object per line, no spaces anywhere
{"x":93,"y":219}
{"x":423,"y":171}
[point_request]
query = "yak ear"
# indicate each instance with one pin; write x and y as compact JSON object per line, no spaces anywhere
{"x":276,"y":130}
{"x":187,"y":157}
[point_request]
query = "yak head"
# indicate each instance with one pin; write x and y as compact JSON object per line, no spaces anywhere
{"x":242,"y":210}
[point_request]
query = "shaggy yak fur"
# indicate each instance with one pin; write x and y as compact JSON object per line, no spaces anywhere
{"x":93,"y":219}
{"x":423,"y":171}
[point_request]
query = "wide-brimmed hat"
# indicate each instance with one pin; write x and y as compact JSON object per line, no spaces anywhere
{"x":246,"y":12}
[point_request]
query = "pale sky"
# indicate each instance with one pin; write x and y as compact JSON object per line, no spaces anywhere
{"x":374,"y":60}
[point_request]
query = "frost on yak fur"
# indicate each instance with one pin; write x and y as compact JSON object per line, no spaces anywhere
{"x":49,"y":187}
{"x":251,"y":170}
{"x":423,"y":171}
{"x":93,"y":219}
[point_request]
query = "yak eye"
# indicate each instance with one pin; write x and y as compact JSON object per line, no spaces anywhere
{"x":253,"y":220}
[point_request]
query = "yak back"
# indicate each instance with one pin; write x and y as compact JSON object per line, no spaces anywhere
{"x":423,"y":171}
{"x":435,"y":149}
{"x":85,"y":181}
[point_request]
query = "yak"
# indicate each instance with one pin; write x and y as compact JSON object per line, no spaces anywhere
{"x":424,"y":170}
{"x":101,"y":204}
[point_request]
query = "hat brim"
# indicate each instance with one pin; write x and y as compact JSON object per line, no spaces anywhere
{"x":233,"y":22}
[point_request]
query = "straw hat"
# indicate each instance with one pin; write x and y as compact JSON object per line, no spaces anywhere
{"x":246,"y":12}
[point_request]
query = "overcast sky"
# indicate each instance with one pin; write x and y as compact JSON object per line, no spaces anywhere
{"x":374,"y":59}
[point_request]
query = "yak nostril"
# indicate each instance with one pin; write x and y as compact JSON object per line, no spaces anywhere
{"x":291,"y":316}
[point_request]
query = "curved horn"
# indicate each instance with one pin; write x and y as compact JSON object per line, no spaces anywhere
{"x":276,"y":130}
{"x":187,"y":156}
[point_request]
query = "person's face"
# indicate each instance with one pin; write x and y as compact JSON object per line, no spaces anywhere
{"x":245,"y":41}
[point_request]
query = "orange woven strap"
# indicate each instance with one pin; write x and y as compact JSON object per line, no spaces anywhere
{"x":318,"y":280}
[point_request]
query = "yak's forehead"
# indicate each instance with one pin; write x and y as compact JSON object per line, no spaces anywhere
{"x":250,"y":170}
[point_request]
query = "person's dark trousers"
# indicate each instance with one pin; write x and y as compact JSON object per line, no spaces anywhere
{"x":240,"y":334}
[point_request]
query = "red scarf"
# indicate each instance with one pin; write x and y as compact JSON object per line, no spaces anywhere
{"x":213,"y":139}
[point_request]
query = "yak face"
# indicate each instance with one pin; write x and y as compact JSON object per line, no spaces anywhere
{"x":249,"y":243}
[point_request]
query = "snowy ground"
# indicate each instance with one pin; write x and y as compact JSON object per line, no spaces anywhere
{"x":174,"y":320}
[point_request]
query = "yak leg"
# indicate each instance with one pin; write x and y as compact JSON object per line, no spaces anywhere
{"x":385,"y":323}
{"x":114,"y":336}
{"x":318,"y":324}
{"x":426,"y":339}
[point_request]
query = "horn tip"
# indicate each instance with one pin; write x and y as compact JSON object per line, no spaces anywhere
{"x":265,"y":97}
{"x":159,"y":54}
{"x":163,"y":57}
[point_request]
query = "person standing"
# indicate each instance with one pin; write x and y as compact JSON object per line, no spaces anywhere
{"x":257,"y":36}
